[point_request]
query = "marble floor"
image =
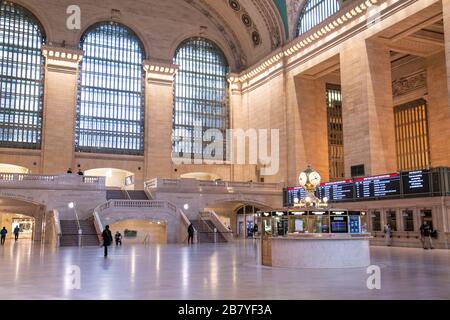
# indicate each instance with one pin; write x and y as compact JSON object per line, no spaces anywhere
{"x":209,"y":271}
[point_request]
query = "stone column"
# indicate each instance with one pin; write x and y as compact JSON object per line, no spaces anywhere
{"x":58,"y":132}
{"x":446,"y":17}
{"x":438,"y":110}
{"x":368,"y":118}
{"x":312,"y":125}
{"x":158,"y":119}
{"x":237,"y":121}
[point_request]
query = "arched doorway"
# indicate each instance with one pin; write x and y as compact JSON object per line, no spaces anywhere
{"x":28,"y":217}
{"x":136,"y":231}
{"x":115,"y":178}
{"x":245,"y":222}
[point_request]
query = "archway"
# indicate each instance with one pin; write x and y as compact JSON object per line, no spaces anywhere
{"x":205,"y":176}
{"x":27,"y":216}
{"x":238,"y":215}
{"x":12,"y":168}
{"x":136,"y":231}
{"x":114,"y":178}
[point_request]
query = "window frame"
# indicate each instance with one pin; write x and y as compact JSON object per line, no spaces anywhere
{"x":106,"y":131}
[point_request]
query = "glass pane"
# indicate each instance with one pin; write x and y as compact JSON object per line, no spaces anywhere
{"x":110,"y":107}
{"x":314,"y":12}
{"x":21,"y":78}
{"x":201,"y":100}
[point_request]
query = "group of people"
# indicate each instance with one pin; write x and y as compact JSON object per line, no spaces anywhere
{"x":426,"y":234}
{"x":80,"y":173}
{"x":4,"y":232}
{"x":108,"y":239}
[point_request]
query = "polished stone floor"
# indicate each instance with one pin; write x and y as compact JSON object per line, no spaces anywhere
{"x":209,"y":271}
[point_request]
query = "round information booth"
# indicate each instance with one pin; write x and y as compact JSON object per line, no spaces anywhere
{"x":313,"y":238}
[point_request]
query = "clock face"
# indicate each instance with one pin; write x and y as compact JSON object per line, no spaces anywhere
{"x":303,"y":178}
{"x":314,"y":178}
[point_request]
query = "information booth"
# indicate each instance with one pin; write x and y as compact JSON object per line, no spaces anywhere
{"x":316,"y":238}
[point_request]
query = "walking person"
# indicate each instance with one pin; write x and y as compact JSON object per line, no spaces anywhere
{"x":191,"y":234}
{"x":425,"y":236}
{"x":388,"y":235}
{"x":107,"y":239}
{"x":118,"y":238}
{"x":16,"y":233}
{"x":3,"y":235}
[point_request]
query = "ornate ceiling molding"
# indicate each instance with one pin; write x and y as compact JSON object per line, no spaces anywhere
{"x":273,"y":23}
{"x":223,"y":27}
{"x":245,"y":18}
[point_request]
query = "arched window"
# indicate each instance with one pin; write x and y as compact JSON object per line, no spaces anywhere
{"x":201,"y":100}
{"x":314,"y":12}
{"x":110,"y":106}
{"x":21,"y":78}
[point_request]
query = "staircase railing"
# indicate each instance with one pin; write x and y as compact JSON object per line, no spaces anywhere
{"x":226,"y":233}
{"x":185,"y":223}
{"x":58,"y":232}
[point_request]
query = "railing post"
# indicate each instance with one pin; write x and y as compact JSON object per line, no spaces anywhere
{"x":215,"y":235}
{"x":80,"y":235}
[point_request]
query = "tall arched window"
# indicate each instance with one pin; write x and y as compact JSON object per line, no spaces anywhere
{"x":21,"y":78}
{"x":314,"y":12}
{"x":201,"y":100}
{"x":110,"y":107}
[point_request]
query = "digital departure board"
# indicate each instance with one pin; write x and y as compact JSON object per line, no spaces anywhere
{"x":336,"y":191}
{"x":416,"y":182}
{"x":295,"y":192}
{"x":378,"y":186}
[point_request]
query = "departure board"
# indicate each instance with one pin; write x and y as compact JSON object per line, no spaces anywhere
{"x":336,"y":191}
{"x":416,"y":182}
{"x":295,"y":192}
{"x":378,"y":186}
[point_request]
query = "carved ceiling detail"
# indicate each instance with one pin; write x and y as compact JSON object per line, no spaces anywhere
{"x":223,"y":27}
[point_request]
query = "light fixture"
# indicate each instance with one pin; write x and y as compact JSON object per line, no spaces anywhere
{"x":71,"y":205}
{"x":186,"y":206}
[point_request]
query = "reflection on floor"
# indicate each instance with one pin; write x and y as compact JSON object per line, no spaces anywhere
{"x":210,"y":271}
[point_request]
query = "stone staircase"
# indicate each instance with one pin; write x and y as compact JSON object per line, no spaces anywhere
{"x":205,"y":231}
{"x":69,"y":233}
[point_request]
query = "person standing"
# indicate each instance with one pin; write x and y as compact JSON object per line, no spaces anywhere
{"x":425,"y":236}
{"x":191,"y":234}
{"x":387,"y":235}
{"x":107,"y":239}
{"x":3,"y":235}
{"x":16,"y":233}
{"x":80,"y":173}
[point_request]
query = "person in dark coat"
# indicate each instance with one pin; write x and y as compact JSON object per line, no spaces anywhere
{"x":425,"y":235}
{"x":3,"y":235}
{"x":16,"y":233}
{"x":107,"y":239}
{"x":191,"y":234}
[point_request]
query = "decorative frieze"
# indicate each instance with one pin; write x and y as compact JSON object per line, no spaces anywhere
{"x":160,"y":72}
{"x":409,"y":83}
{"x":61,"y":59}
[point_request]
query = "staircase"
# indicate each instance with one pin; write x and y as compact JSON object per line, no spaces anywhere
{"x":137,"y":195}
{"x":126,"y":195}
{"x":116,"y":195}
{"x":69,"y":233}
{"x":205,"y":231}
{"x":90,"y":237}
